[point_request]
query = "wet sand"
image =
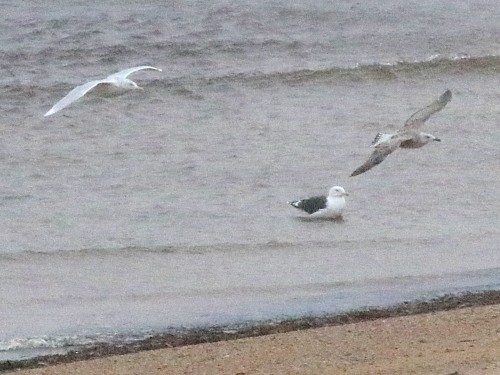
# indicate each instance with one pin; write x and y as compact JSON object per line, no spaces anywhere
{"x":465,"y":339}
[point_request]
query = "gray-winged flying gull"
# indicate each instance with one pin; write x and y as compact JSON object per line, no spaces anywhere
{"x":330,"y":206}
{"x":407,"y":137}
{"x":115,"y":84}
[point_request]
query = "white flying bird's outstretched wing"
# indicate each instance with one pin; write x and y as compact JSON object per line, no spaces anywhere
{"x":74,"y":95}
{"x":418,"y":118}
{"x":125,"y":73}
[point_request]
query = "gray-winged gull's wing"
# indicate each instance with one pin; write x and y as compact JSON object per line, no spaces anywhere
{"x":418,"y":118}
{"x":381,"y":151}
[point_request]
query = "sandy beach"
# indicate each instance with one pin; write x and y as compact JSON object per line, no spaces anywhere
{"x":461,"y":341}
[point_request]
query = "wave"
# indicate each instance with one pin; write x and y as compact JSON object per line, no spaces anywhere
{"x":159,"y":249}
{"x":432,"y":66}
{"x":68,"y":342}
{"x":481,"y":293}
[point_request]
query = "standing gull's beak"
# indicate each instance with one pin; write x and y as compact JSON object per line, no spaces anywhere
{"x":437,"y":139}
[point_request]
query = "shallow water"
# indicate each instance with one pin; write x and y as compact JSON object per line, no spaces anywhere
{"x":167,"y":207}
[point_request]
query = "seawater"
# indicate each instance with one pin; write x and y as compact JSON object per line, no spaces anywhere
{"x":166,"y":208}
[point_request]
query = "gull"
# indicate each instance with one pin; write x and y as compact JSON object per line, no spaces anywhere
{"x":115,"y":84}
{"x":407,"y":137}
{"x":330,"y":206}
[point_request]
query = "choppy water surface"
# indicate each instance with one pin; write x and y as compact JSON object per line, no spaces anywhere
{"x":167,"y":207}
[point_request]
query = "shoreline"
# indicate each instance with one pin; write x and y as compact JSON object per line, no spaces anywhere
{"x":228,"y":333}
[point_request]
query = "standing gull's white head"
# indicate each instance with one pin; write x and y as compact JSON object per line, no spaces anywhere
{"x":406,"y":137}
{"x":330,"y":206}
{"x":116,"y":83}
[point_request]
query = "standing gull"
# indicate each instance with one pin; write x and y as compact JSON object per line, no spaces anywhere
{"x":406,"y":137}
{"x":115,"y":84}
{"x":322,"y":206}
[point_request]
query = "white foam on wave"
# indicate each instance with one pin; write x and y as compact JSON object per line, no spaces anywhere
{"x":44,"y":342}
{"x":21,"y":348}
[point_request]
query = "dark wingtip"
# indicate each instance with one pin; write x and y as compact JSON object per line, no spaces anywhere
{"x":377,"y":137}
{"x":446,"y":96}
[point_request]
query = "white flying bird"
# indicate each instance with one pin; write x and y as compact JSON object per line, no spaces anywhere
{"x":116,"y":84}
{"x":406,"y":137}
